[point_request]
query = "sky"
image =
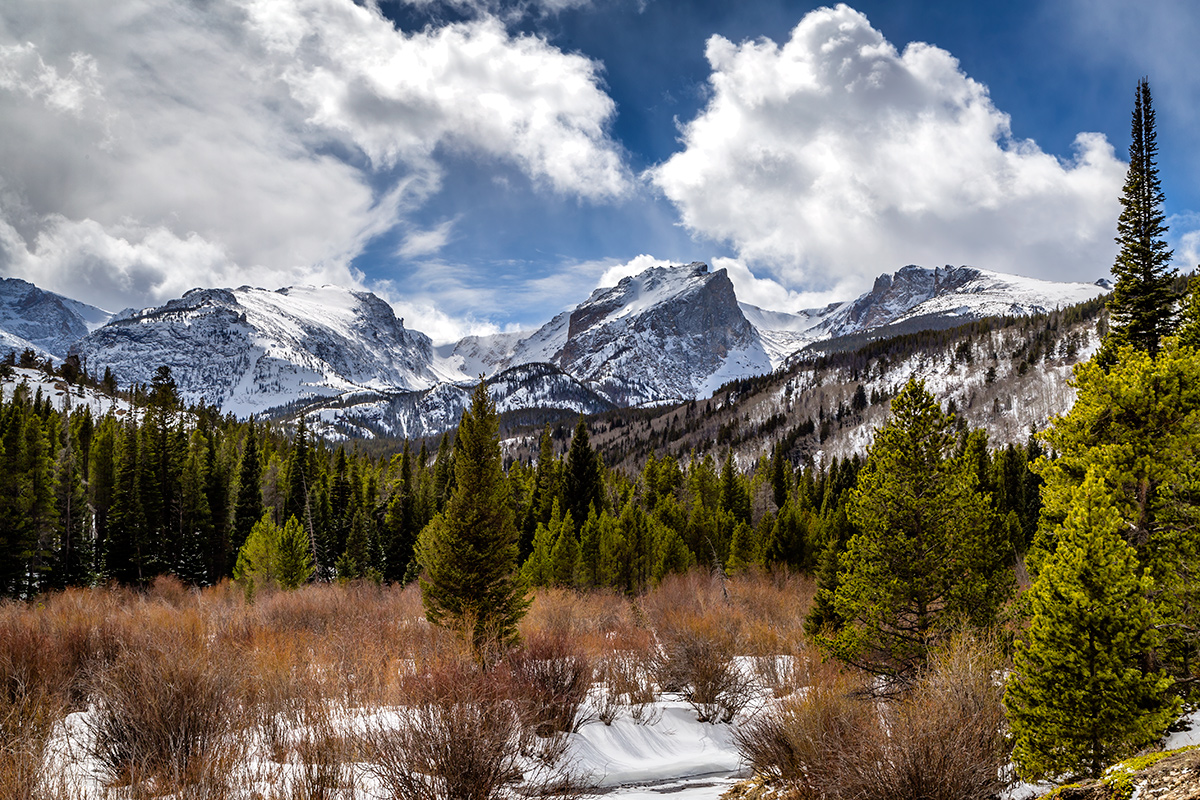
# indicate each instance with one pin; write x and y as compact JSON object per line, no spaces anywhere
{"x":485,"y":164}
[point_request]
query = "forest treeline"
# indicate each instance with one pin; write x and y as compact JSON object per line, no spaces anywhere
{"x":164,"y":489}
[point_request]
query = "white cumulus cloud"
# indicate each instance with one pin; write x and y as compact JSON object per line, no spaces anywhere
{"x":835,"y":157}
{"x":177,"y":144}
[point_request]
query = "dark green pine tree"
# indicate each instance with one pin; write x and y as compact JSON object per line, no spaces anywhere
{"x":248,"y":509}
{"x":194,"y":514}
{"x":925,"y":558}
{"x":295,"y":502}
{"x":469,"y":551}
{"x":1142,"y":303}
{"x":735,"y":496}
{"x":125,"y":549}
{"x":399,"y":523}
{"x":584,"y":486}
{"x":1078,"y":698}
{"x":102,"y":477}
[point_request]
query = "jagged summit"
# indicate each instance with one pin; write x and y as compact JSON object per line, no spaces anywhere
{"x":667,"y":334}
{"x":43,"y":321}
{"x":250,"y":349}
{"x":933,"y":296}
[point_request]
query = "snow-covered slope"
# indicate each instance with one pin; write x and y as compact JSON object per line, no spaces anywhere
{"x":248,"y":349}
{"x":669,"y":333}
{"x":60,"y":394}
{"x":926,"y":297}
{"x":434,"y":410}
{"x":43,"y":321}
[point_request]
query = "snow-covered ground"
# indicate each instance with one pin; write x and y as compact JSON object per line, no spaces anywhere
{"x":60,"y":394}
{"x":669,"y":753}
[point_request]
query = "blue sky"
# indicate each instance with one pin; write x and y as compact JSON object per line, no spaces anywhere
{"x":484,"y":163}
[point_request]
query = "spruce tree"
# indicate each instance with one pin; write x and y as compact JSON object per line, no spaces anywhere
{"x":1141,"y":307}
{"x":1078,"y":698}
{"x":249,"y":506}
{"x":293,"y":563}
{"x":469,"y":551}
{"x":584,"y":486}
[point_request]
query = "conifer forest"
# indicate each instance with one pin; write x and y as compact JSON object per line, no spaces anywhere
{"x":201,"y":605}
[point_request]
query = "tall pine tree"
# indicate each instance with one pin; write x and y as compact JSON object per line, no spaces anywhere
{"x":924,"y":559}
{"x":469,"y":551}
{"x":1142,"y":302}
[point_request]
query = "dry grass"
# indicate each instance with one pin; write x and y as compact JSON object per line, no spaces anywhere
{"x":185,"y":683}
{"x":944,"y":740}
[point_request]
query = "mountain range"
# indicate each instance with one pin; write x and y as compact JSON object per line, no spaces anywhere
{"x":667,"y":335}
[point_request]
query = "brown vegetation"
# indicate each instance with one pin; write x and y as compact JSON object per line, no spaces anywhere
{"x":944,"y":740}
{"x":188,"y":687}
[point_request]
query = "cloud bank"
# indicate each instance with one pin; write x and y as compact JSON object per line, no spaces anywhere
{"x":834,"y":157}
{"x":176,"y":144}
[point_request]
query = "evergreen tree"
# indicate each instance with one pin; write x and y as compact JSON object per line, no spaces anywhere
{"x":781,"y":477}
{"x":584,"y":487}
{"x":125,"y":554}
{"x":295,"y":501}
{"x":588,"y":573}
{"x":1189,"y":316}
{"x":195,"y":516}
{"x":1142,"y":301}
{"x":671,"y":553}
{"x":1078,"y":698}
{"x":469,"y":551}
{"x":564,"y":556}
{"x":257,"y":560}
{"x":355,"y":559}
{"x":293,"y":563}
{"x":1135,"y":427}
{"x":248,"y":509}
{"x":914,"y":505}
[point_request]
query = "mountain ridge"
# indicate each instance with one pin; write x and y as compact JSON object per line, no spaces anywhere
{"x":666,"y":335}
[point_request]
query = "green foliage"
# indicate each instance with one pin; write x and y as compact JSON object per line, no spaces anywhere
{"x":583,"y":475}
{"x":469,"y":551}
{"x":1141,"y":307}
{"x":1137,"y":427}
{"x":294,"y":563}
{"x":1078,"y":697}
{"x":258,"y":559}
{"x":925,"y":558}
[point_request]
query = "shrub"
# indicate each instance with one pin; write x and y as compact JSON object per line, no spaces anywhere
{"x":457,"y":740}
{"x":943,"y":740}
{"x":552,"y":677}
{"x":163,"y":709}
{"x":698,"y":659}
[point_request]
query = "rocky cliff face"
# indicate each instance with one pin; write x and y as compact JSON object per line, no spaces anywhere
{"x":666,"y":334}
{"x":44,"y":321}
{"x":925,"y":297}
{"x":248,"y":350}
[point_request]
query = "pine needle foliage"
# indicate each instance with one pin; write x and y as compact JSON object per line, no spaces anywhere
{"x":925,"y":558}
{"x":1143,"y":299}
{"x":1078,"y":699}
{"x":469,"y":550}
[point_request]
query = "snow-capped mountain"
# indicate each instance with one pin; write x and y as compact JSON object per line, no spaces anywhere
{"x":918,"y":298}
{"x":669,"y":333}
{"x":431,"y":411}
{"x":248,"y":350}
{"x":47,"y":323}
